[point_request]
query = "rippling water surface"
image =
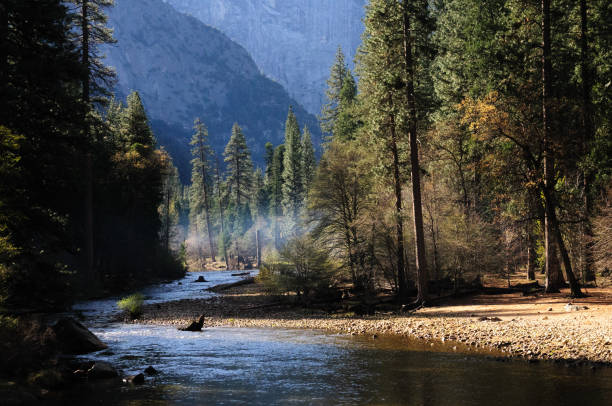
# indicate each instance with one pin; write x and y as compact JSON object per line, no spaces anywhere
{"x":229,"y":366}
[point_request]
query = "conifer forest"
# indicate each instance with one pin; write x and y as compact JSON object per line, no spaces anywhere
{"x":430,"y":223}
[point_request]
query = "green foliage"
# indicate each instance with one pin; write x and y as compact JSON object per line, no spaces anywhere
{"x":293,"y":188}
{"x":309,"y":162}
{"x":132,"y":305}
{"x":239,"y":167}
{"x":329,"y":111}
{"x":301,"y":267}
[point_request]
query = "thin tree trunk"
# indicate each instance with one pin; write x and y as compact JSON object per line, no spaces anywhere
{"x":258,"y":247}
{"x":399,"y":227}
{"x":556,"y":229}
{"x":89,"y":212}
{"x":417,"y":208}
{"x":548,"y":176}
{"x":221,"y":213}
{"x":551,"y":226}
{"x":531,"y":254}
{"x":206,"y":201}
{"x":167,"y":222}
{"x":587,"y":233}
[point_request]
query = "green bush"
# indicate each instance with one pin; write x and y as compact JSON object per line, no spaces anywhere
{"x":132,"y":305}
{"x":301,"y":267}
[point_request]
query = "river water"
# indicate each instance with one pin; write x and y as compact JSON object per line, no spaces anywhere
{"x":247,"y":366}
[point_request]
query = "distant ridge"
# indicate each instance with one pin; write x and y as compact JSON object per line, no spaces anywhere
{"x":185,"y":69}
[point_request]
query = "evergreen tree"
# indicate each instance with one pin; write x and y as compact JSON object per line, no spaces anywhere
{"x":269,"y":160}
{"x":262,"y":195}
{"x":41,"y":163}
{"x":239,"y":167}
{"x":348,"y":120}
{"x":170,"y":207}
{"x":329,"y":111}
{"x":276,"y":191}
{"x":90,"y":31}
{"x":309,"y":162}
{"x":293,"y":191}
{"x":200,"y":176}
{"x":136,"y":128}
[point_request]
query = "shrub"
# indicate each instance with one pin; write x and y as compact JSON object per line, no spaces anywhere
{"x":132,"y":305}
{"x":301,"y":267}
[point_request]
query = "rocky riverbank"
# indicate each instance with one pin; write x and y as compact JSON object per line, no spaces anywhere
{"x":535,"y":328}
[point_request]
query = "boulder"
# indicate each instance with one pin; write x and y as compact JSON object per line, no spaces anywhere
{"x":102,"y":370}
{"x":200,"y":279}
{"x":134,"y":379}
{"x":74,"y":338}
{"x":151,"y":371}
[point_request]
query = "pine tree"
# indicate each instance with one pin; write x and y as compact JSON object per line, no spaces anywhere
{"x":396,"y":32}
{"x":239,"y":167}
{"x":90,"y":32}
{"x":201,"y":176}
{"x":135,"y":127}
{"x":329,"y":111}
{"x":276,"y":191}
{"x":348,"y":120}
{"x":308,"y":160}
{"x":269,"y":160}
{"x":293,"y":191}
{"x":169,"y":209}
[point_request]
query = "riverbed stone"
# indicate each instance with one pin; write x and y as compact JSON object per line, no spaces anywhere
{"x":102,"y":370}
{"x":151,"y":371}
{"x":137,"y":379}
{"x":75,"y":338}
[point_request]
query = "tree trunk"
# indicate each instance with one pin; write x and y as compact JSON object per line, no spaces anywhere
{"x":206,"y":202}
{"x":221,"y":213}
{"x":531,"y":254}
{"x":551,"y":226}
{"x":417,"y":208}
{"x":399,"y":227}
{"x":89,"y":212}
{"x":548,"y":175}
{"x":258,"y":247}
{"x":585,"y":70}
{"x":167,"y":222}
{"x":556,"y":229}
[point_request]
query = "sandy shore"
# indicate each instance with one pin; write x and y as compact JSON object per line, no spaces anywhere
{"x":530,"y":327}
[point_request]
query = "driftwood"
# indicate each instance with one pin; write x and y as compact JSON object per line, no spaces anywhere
{"x":195,"y":325}
{"x":262,"y":306}
{"x":225,"y":286}
{"x":241,"y":274}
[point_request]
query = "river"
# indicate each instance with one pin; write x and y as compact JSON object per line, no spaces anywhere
{"x":247,"y":366}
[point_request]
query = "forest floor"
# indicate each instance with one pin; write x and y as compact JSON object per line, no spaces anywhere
{"x":533,"y":327}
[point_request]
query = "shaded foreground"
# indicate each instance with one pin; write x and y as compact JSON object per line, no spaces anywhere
{"x":531,"y":327}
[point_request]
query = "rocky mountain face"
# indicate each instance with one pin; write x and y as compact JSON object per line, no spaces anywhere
{"x":184,"y":69}
{"x":292,"y":41}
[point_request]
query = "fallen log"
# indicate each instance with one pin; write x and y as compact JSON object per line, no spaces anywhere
{"x":263,"y":306}
{"x":241,"y":274}
{"x":195,"y":325}
{"x":225,"y":286}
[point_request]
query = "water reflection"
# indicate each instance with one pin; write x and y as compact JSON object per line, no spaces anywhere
{"x":279,"y":367}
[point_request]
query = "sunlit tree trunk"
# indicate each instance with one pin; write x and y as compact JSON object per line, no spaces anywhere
{"x":417,"y":208}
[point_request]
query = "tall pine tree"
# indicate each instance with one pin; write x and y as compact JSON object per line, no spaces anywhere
{"x":293,"y":188}
{"x":200,"y":176}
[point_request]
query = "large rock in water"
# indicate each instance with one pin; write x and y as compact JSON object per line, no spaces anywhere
{"x":75,"y":338}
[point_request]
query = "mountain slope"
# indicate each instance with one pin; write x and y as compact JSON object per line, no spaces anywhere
{"x":184,"y":69}
{"x":292,"y":41}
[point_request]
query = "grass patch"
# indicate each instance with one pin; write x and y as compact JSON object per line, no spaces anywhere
{"x":132,"y":305}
